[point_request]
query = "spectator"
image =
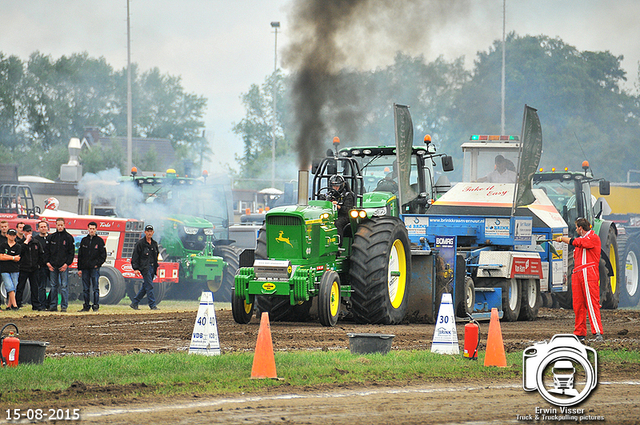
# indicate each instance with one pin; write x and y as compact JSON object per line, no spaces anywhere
{"x":145,"y":261}
{"x":32,"y":259}
{"x":61,"y":253}
{"x":20,"y":231}
{"x":4,"y":227}
{"x":16,"y":205}
{"x":10,"y":268}
{"x":91,"y":255}
{"x":501,"y":174}
{"x":43,"y":272}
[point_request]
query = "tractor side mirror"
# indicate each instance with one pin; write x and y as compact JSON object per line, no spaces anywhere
{"x":604,"y":187}
{"x":447,"y":163}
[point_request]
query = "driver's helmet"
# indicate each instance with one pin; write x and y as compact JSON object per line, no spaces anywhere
{"x":51,"y":203}
{"x":337,"y":180}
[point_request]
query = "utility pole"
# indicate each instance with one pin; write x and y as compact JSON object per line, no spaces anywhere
{"x":504,"y":45}
{"x":275,"y":26}
{"x":129,"y":113}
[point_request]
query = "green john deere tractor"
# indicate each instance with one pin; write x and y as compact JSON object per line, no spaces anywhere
{"x":207,"y":261}
{"x":300,"y":255}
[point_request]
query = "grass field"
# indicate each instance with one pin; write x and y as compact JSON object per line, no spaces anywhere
{"x":181,"y":373}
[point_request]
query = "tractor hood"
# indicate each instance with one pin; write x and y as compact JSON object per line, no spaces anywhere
{"x":307,"y":213}
{"x":189,"y":221}
{"x":496,"y":199}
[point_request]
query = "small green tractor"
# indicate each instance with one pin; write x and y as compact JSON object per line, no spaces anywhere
{"x":206,"y":261}
{"x":366,"y":273}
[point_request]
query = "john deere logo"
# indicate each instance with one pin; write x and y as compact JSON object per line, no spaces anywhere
{"x":289,"y":270}
{"x":268,"y":286}
{"x":281,"y":238}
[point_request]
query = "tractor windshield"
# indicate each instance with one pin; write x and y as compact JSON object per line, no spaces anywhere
{"x":381,"y":174}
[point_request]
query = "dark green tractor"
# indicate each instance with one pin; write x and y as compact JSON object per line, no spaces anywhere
{"x":300,"y":256}
{"x":183,"y":211}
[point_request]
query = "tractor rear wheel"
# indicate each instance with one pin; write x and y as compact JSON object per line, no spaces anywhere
{"x":329,"y":298}
{"x":531,"y":299}
{"x":230,"y":255}
{"x":380,"y":271}
{"x":111,"y":285}
{"x":610,"y":285}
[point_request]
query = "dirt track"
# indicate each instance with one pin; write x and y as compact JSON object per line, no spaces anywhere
{"x":170,"y":330}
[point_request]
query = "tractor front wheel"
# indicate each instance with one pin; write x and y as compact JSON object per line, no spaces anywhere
{"x":630,"y":288}
{"x":380,"y":271}
{"x":242,"y":311}
{"x":511,"y":299}
{"x":329,"y":299}
{"x":531,"y":299}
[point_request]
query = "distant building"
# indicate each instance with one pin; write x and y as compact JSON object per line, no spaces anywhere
{"x":141,"y":147}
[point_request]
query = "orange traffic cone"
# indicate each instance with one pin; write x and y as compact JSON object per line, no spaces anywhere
{"x":495,"y":355}
{"x":264,"y":364}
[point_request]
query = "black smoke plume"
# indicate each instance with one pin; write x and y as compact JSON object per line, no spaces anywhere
{"x":334,"y":36}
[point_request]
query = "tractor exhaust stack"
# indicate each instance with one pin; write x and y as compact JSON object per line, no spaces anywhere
{"x":303,"y":187}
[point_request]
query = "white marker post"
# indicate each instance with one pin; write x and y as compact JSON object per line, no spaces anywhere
{"x":204,"y":339}
{"x":445,"y":336}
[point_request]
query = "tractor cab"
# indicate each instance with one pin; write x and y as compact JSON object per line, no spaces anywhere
{"x":326,"y":168}
{"x":17,"y":199}
{"x":412,"y":184}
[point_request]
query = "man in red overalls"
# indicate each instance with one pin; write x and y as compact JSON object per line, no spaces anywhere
{"x":585,"y":278}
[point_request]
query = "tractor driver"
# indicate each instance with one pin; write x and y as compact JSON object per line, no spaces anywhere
{"x":344,"y":200}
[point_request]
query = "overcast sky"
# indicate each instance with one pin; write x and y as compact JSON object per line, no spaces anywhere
{"x":221,"y":47}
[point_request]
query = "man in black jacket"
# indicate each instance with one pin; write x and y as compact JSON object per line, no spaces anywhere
{"x":145,"y":261}
{"x":91,"y":255}
{"x":61,"y":253}
{"x":31,"y":260}
{"x":43,"y":272}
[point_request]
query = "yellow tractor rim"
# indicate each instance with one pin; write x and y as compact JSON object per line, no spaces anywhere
{"x":397,"y":273}
{"x":335,"y":299}
{"x":247,"y":307}
{"x":614,"y":278}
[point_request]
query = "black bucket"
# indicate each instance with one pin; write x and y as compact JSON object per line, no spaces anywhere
{"x":32,"y":352}
{"x":369,"y":343}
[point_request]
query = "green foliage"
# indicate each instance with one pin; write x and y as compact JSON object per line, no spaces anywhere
{"x":107,"y":155}
{"x":47,"y":101}
{"x":584,"y":111}
{"x":256,"y":130}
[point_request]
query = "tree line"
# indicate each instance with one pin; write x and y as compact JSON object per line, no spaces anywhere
{"x":44,"y":102}
{"x":585,"y":111}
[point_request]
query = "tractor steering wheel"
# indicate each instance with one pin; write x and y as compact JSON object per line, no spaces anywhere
{"x":329,"y":193}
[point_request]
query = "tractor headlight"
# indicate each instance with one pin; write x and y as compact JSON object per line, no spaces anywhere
{"x":208,"y":231}
{"x":190,"y":230}
{"x":358,"y":214}
{"x":324,"y":216}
